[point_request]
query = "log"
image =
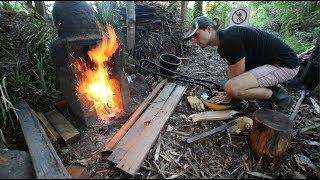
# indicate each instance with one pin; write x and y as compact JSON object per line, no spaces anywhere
{"x":63,"y":126}
{"x":40,"y":8}
{"x":271,"y":134}
{"x":183,"y":13}
{"x":122,"y":131}
{"x":45,"y":159}
{"x":131,"y":20}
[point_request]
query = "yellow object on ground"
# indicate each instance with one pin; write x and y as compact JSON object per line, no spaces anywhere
{"x":213,"y":115}
{"x":214,"y":106}
{"x":242,"y":124}
{"x":195,"y":103}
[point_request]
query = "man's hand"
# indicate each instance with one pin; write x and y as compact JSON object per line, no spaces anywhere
{"x":195,"y":103}
{"x":220,"y":98}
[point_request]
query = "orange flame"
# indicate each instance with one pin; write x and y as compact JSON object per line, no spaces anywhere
{"x":96,"y":85}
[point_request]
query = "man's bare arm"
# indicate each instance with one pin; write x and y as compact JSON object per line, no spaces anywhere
{"x":236,"y":69}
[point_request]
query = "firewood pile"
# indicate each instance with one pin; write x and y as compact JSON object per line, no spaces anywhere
{"x":158,"y":31}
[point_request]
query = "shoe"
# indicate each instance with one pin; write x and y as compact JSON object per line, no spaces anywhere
{"x":239,"y":104}
{"x":281,"y":100}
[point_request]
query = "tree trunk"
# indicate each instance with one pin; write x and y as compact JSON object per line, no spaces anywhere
{"x":184,"y":11}
{"x":40,"y":8}
{"x":270,"y":136}
{"x":268,"y":142}
{"x":197,"y":11}
{"x":131,"y":20}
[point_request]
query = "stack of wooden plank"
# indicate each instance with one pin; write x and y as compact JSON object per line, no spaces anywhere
{"x":37,"y":130}
{"x":46,"y":162}
{"x":130,"y":151}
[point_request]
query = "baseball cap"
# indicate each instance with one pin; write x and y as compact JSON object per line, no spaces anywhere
{"x":198,"y":22}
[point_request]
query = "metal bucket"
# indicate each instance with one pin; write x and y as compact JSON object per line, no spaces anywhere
{"x":170,"y":62}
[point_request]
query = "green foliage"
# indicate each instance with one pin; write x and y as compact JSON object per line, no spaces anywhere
{"x":189,"y":16}
{"x":37,"y":46}
{"x":11,"y":6}
{"x":21,"y":77}
{"x":260,"y":13}
{"x":297,"y":22}
{"x":107,"y":13}
{"x":197,"y":10}
{"x":221,"y":10}
{"x":40,"y":70}
{"x":14,"y":6}
{"x":33,"y":75}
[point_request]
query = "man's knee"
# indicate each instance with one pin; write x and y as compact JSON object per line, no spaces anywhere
{"x":231,"y":88}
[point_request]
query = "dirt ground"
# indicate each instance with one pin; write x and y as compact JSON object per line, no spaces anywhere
{"x":217,"y":156}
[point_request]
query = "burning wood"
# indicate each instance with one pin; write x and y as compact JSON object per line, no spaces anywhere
{"x":92,"y":80}
{"x":97,"y":84}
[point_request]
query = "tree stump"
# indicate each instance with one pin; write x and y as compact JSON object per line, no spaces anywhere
{"x":271,"y":134}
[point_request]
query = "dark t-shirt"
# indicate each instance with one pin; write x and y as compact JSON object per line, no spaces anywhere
{"x":258,"y":48}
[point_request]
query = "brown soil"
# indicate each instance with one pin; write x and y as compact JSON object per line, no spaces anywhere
{"x":217,"y":156}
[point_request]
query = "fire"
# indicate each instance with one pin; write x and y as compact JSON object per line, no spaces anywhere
{"x":96,"y":84}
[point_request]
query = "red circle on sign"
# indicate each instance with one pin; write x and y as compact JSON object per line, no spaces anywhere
{"x":241,"y":20}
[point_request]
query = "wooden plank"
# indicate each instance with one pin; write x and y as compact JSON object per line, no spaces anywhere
{"x":133,"y":118}
{"x":129,"y":139}
{"x":297,"y":106}
{"x":132,"y":160}
{"x":45,"y":159}
{"x":63,"y":126}
{"x":315,"y":105}
{"x":51,"y":132}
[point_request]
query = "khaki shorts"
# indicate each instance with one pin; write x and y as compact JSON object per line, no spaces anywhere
{"x":269,"y":75}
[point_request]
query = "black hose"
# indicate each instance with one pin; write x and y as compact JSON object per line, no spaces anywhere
{"x":216,"y":86}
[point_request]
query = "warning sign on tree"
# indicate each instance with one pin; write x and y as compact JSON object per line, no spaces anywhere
{"x":239,"y":17}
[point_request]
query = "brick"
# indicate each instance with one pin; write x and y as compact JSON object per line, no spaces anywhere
{"x":78,"y":172}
